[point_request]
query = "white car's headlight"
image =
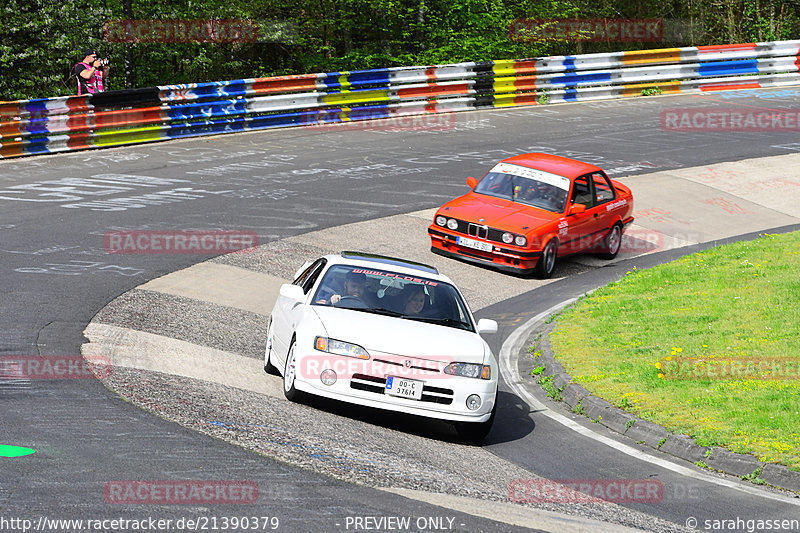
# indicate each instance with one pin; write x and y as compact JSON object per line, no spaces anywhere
{"x":324,"y":344}
{"x":469,"y":370}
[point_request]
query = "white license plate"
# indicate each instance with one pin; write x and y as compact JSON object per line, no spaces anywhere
{"x":404,"y":388}
{"x":477,"y":245}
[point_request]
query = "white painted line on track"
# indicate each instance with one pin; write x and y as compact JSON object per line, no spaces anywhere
{"x":509,"y":354}
{"x":513,"y":514}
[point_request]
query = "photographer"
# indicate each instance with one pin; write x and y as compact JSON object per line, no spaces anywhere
{"x":91,"y":73}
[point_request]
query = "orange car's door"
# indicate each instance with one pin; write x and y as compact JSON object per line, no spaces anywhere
{"x":603,"y":193}
{"x":579,"y":224}
{"x":588,"y":228}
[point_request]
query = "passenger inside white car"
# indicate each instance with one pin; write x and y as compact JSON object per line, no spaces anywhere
{"x":415,"y":300}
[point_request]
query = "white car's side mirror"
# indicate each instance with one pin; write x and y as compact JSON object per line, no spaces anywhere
{"x":292,"y":292}
{"x":486,"y":326}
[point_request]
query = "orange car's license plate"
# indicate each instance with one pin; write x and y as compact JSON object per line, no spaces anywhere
{"x":476,"y":245}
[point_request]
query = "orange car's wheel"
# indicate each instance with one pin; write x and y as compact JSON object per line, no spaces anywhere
{"x":547,"y":263}
{"x":612,"y":242}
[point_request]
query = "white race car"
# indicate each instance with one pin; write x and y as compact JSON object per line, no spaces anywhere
{"x":387,"y":333}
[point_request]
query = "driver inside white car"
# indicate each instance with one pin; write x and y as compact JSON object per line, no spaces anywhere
{"x":354,"y":286}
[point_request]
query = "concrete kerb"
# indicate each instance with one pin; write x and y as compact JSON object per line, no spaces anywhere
{"x":735,"y":463}
{"x":651,"y":434}
{"x":780,"y":476}
{"x":573,"y":395}
{"x":579,"y":400}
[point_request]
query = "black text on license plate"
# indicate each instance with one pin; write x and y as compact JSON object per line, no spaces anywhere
{"x":476,"y":245}
{"x":404,"y":388}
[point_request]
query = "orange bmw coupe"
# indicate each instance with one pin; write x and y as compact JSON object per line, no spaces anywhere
{"x":531,"y":209}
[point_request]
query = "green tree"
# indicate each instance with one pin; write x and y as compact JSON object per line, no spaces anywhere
{"x":41,"y":40}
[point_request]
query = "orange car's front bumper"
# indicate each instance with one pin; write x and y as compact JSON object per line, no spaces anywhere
{"x":503,"y":258}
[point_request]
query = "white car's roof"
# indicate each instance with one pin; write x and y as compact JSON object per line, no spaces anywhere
{"x":380,"y":262}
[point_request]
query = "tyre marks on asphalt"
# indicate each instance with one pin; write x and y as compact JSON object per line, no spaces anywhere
{"x":680,"y":205}
{"x":771,"y":183}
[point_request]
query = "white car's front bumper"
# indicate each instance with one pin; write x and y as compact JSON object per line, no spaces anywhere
{"x":363,"y":382}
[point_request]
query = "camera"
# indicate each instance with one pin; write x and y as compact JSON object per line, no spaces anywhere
{"x":103,"y":63}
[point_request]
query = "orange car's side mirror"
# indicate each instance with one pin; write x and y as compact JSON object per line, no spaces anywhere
{"x":577,"y":209}
{"x":472,"y":182}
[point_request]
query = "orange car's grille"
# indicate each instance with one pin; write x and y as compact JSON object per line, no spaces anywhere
{"x":477,"y":230}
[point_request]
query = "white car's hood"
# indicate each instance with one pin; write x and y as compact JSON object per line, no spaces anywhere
{"x":398,"y":336}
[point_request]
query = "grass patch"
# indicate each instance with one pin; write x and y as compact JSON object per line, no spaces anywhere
{"x":684,"y":345}
{"x":544,"y":98}
{"x":755,"y":477}
{"x":546,"y":383}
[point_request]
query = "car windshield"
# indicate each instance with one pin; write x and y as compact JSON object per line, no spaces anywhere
{"x":390,"y":293}
{"x":527,"y":186}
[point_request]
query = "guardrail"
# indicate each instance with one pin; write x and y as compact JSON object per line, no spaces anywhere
{"x":116,"y":118}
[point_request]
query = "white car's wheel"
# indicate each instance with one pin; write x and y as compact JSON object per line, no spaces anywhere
{"x":269,"y":366}
{"x":289,"y":375}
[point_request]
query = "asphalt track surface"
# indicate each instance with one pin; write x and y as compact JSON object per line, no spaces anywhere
{"x":56,"y":276}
